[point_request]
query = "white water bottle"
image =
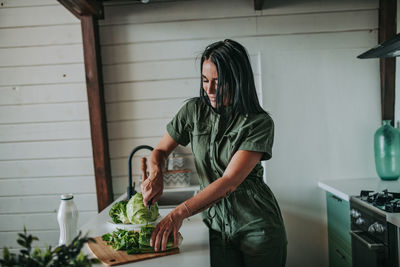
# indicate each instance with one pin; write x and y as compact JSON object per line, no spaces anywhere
{"x":67,"y":218}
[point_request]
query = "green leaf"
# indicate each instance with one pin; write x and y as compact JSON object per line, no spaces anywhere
{"x":118,"y":212}
{"x":57,"y":249}
{"x":106,"y":237}
{"x":134,"y":250}
{"x":21,"y":242}
{"x":95,"y":261}
{"x":6,"y":253}
{"x":22,"y":236}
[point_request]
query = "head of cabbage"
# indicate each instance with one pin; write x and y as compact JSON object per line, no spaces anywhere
{"x":138,"y":213}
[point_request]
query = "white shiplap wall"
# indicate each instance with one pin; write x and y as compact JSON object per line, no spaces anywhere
{"x":324,"y":101}
{"x":45,"y":146}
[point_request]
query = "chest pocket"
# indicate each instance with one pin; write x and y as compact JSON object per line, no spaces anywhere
{"x":201,"y":136}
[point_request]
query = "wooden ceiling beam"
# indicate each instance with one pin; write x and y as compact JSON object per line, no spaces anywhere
{"x":258,"y":4}
{"x":387,"y":30}
{"x":84,"y":7}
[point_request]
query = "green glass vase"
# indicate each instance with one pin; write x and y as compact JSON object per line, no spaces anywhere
{"x":387,"y":151}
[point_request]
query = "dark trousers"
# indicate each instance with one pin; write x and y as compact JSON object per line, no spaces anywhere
{"x":250,"y":250}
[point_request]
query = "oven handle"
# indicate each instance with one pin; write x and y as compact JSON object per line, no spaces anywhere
{"x":373,"y":246}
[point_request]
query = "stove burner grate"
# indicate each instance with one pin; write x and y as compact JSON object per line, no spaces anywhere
{"x":387,"y":201}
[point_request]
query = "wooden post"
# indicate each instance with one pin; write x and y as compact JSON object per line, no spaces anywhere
{"x":387,"y":30}
{"x":89,"y":11}
{"x":98,"y":121}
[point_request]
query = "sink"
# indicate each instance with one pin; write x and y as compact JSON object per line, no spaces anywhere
{"x":173,"y":199}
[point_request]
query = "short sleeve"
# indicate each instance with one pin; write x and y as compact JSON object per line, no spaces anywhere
{"x":181,"y":124}
{"x":260,"y":137}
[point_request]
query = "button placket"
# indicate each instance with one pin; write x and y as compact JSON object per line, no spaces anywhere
{"x":214,"y":131}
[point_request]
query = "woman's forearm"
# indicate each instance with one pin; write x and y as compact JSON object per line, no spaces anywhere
{"x":237,"y":170}
{"x":160,"y":154}
{"x":156,"y":162}
{"x":209,"y":196}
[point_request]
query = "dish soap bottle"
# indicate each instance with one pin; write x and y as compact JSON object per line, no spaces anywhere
{"x":67,"y":218}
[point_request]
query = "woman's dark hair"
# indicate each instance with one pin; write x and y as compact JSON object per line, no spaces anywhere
{"x":235,"y":77}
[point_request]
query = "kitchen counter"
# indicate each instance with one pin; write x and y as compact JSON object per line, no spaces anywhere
{"x":345,"y":188}
{"x":194,"y":250}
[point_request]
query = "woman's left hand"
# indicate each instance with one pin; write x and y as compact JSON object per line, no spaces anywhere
{"x":170,"y":224}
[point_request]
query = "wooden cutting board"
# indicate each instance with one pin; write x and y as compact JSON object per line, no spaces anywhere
{"x":111,"y":257}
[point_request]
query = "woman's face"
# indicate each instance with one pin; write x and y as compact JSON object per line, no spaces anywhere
{"x":209,"y":76}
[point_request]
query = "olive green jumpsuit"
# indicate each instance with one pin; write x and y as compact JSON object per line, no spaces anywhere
{"x":246,"y":227}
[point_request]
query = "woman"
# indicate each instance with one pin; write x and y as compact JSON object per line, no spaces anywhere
{"x":230,"y":134}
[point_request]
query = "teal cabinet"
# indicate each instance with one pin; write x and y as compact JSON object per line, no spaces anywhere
{"x":338,"y":213}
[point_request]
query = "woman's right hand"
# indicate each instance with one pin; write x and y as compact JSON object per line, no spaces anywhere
{"x":152,"y":186}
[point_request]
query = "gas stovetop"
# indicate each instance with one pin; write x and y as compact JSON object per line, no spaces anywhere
{"x":386,"y":201}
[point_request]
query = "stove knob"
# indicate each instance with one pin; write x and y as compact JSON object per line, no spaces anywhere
{"x":371,"y":229}
{"x":378,"y":227}
{"x":360,"y":221}
{"x":355,"y":214}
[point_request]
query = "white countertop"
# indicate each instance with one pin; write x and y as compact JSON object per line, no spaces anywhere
{"x":345,"y":188}
{"x":194,"y":250}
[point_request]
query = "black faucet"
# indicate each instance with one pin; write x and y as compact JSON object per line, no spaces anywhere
{"x":130,"y":191}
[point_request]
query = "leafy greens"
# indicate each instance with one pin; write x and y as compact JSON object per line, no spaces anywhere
{"x":118,"y":212}
{"x":135,"y":242}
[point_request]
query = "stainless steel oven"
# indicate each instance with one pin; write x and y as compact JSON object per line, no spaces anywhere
{"x":374,"y":240}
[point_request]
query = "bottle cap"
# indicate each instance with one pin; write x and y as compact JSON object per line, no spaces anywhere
{"x":67,"y":196}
